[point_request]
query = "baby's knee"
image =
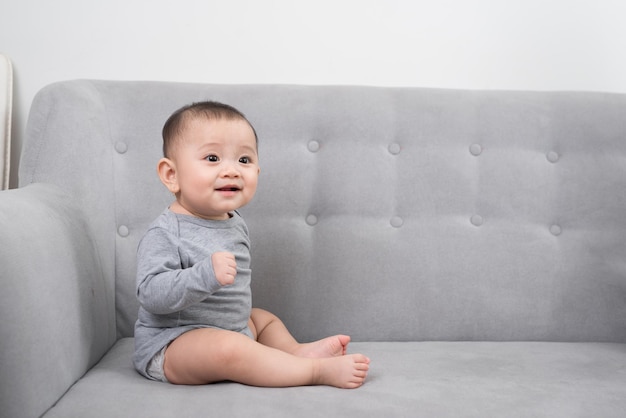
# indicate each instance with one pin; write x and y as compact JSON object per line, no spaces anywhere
{"x":258,"y":312}
{"x":261,"y":316}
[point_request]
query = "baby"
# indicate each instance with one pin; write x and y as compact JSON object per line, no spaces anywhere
{"x":196,"y":322}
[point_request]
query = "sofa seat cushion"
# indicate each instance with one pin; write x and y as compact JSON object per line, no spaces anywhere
{"x":406,"y":379}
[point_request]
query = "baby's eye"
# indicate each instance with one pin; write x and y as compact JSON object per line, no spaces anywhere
{"x":212,"y":158}
{"x":245,"y":160}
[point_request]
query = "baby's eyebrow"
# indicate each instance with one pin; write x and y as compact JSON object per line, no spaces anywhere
{"x":248,"y":148}
{"x":208,"y":146}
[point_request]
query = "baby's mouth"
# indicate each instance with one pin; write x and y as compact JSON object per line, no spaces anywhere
{"x":228,"y":189}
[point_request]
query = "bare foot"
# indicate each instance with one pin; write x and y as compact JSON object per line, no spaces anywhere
{"x":327,"y":347}
{"x":348,"y":372}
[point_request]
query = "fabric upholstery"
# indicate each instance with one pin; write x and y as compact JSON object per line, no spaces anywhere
{"x":422,"y":222}
{"x":410,"y":379}
{"x":57,"y":320}
{"x":510,"y":204}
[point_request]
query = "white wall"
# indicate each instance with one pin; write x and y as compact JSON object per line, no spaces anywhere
{"x":476,"y":44}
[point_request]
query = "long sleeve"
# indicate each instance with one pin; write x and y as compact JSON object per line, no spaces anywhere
{"x":164,"y":285}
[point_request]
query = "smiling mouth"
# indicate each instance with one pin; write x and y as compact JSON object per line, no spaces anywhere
{"x":228,"y":189}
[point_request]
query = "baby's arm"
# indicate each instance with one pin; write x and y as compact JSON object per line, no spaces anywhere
{"x":164,"y":286}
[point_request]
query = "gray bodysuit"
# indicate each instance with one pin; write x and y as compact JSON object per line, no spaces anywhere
{"x":176,"y":284}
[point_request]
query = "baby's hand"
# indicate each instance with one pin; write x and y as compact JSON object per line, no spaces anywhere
{"x":225,"y":267}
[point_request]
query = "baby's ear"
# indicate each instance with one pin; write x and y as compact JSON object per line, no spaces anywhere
{"x":166,"y":169}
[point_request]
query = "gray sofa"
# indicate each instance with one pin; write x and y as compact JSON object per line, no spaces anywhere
{"x":472,"y":243}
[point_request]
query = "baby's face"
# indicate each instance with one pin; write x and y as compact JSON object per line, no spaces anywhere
{"x":217,"y":167}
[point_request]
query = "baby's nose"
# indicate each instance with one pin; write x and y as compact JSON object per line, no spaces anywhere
{"x":230,"y":170}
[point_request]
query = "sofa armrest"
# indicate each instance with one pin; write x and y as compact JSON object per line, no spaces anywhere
{"x":57,"y":317}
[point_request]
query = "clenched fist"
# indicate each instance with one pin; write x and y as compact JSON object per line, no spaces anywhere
{"x":225,"y":267}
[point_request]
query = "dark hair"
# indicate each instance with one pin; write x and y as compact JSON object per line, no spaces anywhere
{"x":210,"y":110}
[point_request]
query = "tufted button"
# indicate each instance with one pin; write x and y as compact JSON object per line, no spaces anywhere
{"x":555,"y":230}
{"x":394,"y":148}
{"x":396,"y":222}
{"x":121,"y":147}
{"x":311,"y":220}
{"x":553,"y":157}
{"x":477,"y":220}
{"x":123,"y":231}
{"x":476,"y":149}
{"x":313,"y":146}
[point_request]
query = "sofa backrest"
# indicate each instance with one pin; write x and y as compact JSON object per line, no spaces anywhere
{"x":384,"y":213}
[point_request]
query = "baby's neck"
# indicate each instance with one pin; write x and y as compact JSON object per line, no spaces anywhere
{"x":176,"y":207}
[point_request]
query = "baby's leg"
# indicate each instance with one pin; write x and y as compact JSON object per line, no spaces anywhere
{"x":210,"y":355}
{"x":269,"y":330}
